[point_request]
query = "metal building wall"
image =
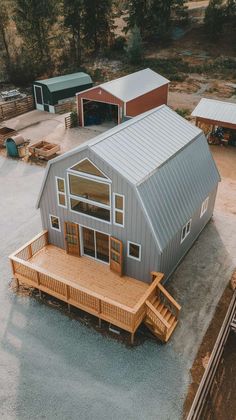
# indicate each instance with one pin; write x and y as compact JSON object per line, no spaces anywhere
{"x":175,"y":250}
{"x":148,"y":101}
{"x":136,"y":228}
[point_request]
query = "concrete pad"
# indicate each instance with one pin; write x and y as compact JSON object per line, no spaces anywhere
{"x":55,"y":368}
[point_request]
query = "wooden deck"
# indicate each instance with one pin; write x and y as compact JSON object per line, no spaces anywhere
{"x":91,"y":286}
{"x":90,"y":274}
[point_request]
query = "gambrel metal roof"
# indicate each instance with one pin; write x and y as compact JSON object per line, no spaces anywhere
{"x":135,"y":84}
{"x":166,"y":159}
{"x":212,"y":109}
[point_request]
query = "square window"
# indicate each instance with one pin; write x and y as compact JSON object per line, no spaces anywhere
{"x":204,"y":206}
{"x":134,"y":251}
{"x":55,"y":222}
{"x":119,"y":202}
{"x":119,"y":218}
{"x":61,"y":185}
{"x":62,"y":200}
{"x":186,"y":230}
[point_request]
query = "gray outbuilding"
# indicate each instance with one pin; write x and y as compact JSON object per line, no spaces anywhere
{"x":144,"y":189}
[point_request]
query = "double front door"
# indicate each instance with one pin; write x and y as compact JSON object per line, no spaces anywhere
{"x":81,"y":240}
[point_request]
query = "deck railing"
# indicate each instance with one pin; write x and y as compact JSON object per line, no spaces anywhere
{"x":104,"y":308}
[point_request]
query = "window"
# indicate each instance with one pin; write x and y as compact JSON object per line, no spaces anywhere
{"x":89,"y":189}
{"x":134,"y":251}
{"x":61,"y":192}
{"x":186,"y":230}
{"x":118,"y":209}
{"x":54,"y":222}
{"x":204,"y":206}
{"x":89,"y":194}
{"x":87,"y":167}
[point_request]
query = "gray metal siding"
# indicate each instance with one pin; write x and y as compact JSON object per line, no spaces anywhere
{"x":175,"y":250}
{"x":174,"y":192}
{"x":137,"y":228}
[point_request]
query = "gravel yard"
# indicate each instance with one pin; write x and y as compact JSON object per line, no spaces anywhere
{"x":53,"y":367}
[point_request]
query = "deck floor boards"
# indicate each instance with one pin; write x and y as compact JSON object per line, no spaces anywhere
{"x":93,"y":275}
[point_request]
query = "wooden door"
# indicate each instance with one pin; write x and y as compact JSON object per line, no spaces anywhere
{"x":116,"y":255}
{"x":72,"y":238}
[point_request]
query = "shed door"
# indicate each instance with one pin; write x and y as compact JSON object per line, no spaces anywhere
{"x":38,"y":96}
{"x":116,"y":255}
{"x":72,"y":238}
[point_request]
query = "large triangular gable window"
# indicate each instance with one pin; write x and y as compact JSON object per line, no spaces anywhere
{"x":88,"y":168}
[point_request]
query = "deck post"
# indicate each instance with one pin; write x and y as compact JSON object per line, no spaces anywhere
{"x":99,"y":322}
{"x":17,"y":283}
{"x":132,"y":338}
{"x":40,"y":294}
{"x":68,"y":306}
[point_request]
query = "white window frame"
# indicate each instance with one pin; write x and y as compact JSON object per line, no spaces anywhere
{"x":59,"y":192}
{"x":187,"y":232}
{"x":118,"y":210}
{"x":204,"y":206}
{"x":59,"y":222}
{"x":86,"y":175}
{"x":85,"y":200}
{"x":140,"y":251}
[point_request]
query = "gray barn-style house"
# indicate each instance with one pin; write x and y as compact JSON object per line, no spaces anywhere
{"x":136,"y":197}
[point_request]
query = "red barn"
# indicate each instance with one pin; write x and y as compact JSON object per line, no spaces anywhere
{"x":123,"y":98}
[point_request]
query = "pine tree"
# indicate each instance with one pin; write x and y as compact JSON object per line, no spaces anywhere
{"x":34,"y":20}
{"x":4,"y":20}
{"x":98,"y":23}
{"x":137,"y":15}
{"x":134,"y":48}
{"x":153,"y":17}
{"x":214,"y":17}
{"x":73,"y":13}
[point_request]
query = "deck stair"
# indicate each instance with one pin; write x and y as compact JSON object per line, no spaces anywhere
{"x":162,"y":313}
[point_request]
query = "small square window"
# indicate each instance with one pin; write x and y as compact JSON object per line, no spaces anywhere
{"x":119,"y":218}
{"x":204,"y":206}
{"x":119,"y":200}
{"x":55,"y":222}
{"x":134,"y":251}
{"x":61,"y":185}
{"x":62,"y":200}
{"x":186,"y":230}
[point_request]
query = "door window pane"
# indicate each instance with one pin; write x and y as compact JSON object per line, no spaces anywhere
{"x":88,"y":241}
{"x":102,"y":246}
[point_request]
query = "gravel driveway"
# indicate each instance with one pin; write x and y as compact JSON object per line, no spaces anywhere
{"x":52,"y":367}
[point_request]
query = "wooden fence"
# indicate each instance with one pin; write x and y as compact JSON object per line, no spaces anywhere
{"x":196,"y":411}
{"x":65,"y":107}
{"x":13,"y":108}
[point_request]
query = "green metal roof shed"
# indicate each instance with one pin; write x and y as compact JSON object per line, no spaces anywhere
{"x":50,"y":92}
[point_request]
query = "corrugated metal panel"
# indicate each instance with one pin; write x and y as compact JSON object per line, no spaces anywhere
{"x":174,"y":192}
{"x":141,"y":145}
{"x":65,"y":82}
{"x":136,"y":84}
{"x":134,"y":216}
{"x":216,"y":110}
